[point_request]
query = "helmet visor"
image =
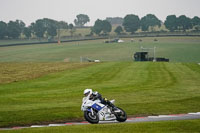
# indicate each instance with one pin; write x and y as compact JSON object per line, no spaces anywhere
{"x":86,"y":94}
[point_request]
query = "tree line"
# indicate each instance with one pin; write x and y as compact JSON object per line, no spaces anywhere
{"x":40,"y":28}
{"x":131,"y":23}
{"x":13,"y":29}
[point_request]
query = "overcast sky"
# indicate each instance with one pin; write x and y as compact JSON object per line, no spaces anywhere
{"x":66,"y":10}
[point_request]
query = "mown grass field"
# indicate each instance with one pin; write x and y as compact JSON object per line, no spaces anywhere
{"x":41,"y":84}
{"x":13,"y":72}
{"x":140,"y":88}
{"x":177,"y":49}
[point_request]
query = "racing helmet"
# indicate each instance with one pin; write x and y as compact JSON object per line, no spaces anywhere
{"x":87,"y":92}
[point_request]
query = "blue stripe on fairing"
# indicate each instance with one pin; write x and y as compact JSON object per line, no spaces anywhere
{"x":97,"y":107}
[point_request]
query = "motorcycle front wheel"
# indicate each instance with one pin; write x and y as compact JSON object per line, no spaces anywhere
{"x":121,"y":116}
{"x":94,"y":119}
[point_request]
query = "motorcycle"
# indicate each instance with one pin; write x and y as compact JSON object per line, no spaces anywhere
{"x":95,"y":111}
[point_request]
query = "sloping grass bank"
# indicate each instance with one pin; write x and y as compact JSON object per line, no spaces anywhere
{"x":13,"y":72}
{"x":139,"y":88}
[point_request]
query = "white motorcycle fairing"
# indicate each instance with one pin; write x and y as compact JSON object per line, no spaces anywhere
{"x":104,"y":112}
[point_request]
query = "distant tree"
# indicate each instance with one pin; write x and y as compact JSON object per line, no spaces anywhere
{"x":131,"y":23}
{"x":3,"y":29}
{"x":46,"y":25}
{"x":101,"y":26}
{"x":14,"y":29}
{"x":106,"y":27}
{"x":71,"y":26}
{"x":149,"y":20}
{"x":51,"y":26}
{"x":81,"y":20}
{"x":171,"y":23}
{"x":27,"y":32}
{"x":118,"y":30}
{"x":62,"y":25}
{"x":144,"y":24}
{"x":32,"y":27}
{"x":39,"y":28}
{"x":72,"y":29}
{"x":21,"y":25}
{"x":184,"y":23}
{"x":52,"y":30}
{"x":196,"y":23}
{"x":97,"y":28}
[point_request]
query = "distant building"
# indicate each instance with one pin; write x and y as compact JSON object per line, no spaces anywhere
{"x":143,"y":56}
{"x":115,"y":21}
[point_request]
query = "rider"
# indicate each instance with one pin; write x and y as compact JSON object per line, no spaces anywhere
{"x":95,"y":95}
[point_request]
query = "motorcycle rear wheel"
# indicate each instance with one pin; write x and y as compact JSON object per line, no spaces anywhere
{"x":93,"y":119}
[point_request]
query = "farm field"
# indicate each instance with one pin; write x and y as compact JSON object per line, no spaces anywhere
{"x":177,"y":49}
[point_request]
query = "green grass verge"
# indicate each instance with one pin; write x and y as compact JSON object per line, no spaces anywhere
{"x":183,"y":126}
{"x":139,"y":88}
{"x":177,"y":49}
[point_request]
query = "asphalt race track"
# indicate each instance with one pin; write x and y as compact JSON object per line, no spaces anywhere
{"x":188,"y":116}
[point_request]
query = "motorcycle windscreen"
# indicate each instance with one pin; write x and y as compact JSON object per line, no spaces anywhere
{"x":97,"y":106}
